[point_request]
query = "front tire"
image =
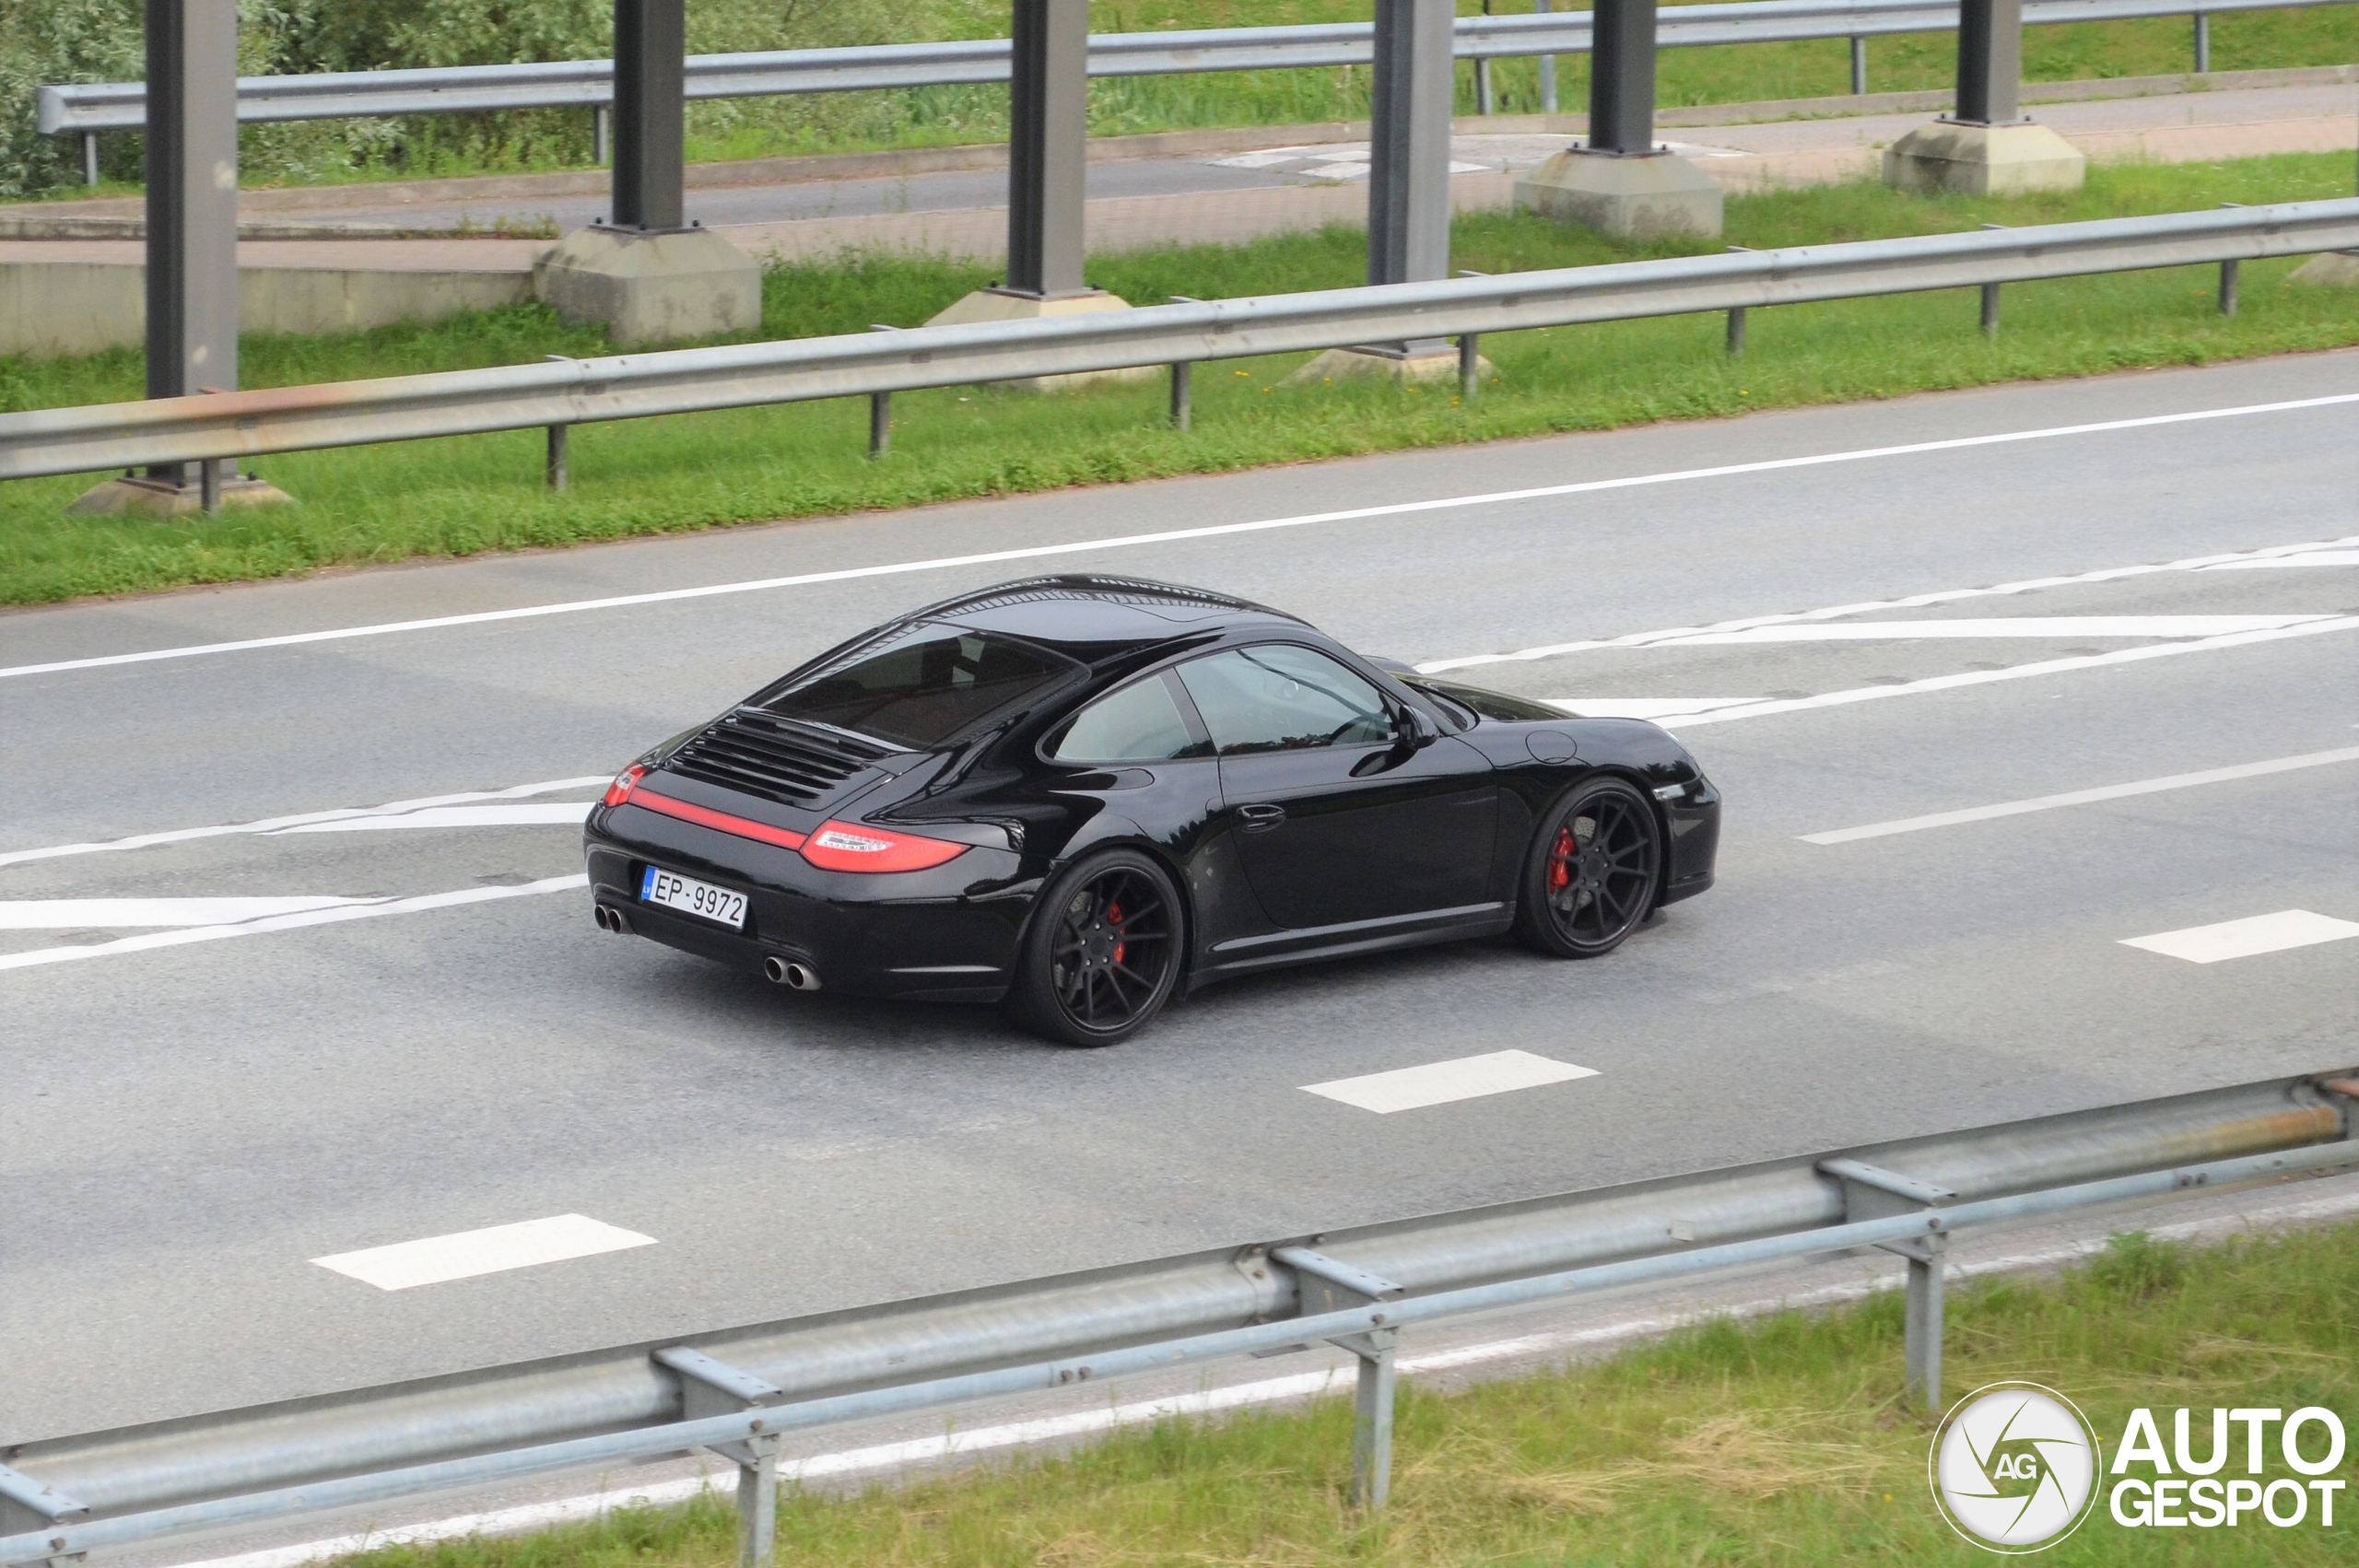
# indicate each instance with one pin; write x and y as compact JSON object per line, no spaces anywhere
{"x":1102,"y":955}
{"x":1590,"y":873}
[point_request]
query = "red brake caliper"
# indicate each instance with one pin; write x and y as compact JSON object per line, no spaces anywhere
{"x":1114,"y":913}
{"x":1560,"y":871}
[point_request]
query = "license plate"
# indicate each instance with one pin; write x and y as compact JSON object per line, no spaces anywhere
{"x":689,"y":896}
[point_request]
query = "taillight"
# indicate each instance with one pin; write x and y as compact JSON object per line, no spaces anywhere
{"x":848,"y":847}
{"x":625,"y":782}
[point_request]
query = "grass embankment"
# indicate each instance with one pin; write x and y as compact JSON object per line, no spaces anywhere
{"x":1784,"y":1441}
{"x":461,"y":496}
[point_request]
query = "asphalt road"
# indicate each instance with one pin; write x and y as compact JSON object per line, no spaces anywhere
{"x":184,"y":1127}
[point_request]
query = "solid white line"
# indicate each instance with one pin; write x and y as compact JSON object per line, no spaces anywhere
{"x":1134,"y":541}
{"x":2001,"y":627}
{"x":535,"y":814}
{"x":280,"y":823}
{"x":1912,"y":601}
{"x":2246,"y":937}
{"x":495,"y":1249}
{"x":1440,"y":1083}
{"x":40,"y":955}
{"x":2084,"y":797}
{"x":2018,"y":672}
{"x":1653,"y":707}
{"x":2308,"y":559}
{"x":70,"y":914}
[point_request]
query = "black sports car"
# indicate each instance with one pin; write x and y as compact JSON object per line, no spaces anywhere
{"x":1084,"y":795}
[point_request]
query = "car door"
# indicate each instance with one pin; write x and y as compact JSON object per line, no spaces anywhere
{"x":1334,"y":821}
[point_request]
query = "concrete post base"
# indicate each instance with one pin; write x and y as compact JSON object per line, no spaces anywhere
{"x":653,"y":288}
{"x":1415,"y":363}
{"x":161,"y":498}
{"x":2332,"y":269}
{"x":1647,"y":197}
{"x":1983,"y":160}
{"x":1002,"y":305}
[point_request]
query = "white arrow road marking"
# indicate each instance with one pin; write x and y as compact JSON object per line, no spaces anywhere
{"x":1912,"y":601}
{"x":553,"y":813}
{"x":73,"y":914}
{"x":302,"y":819}
{"x":1167,"y":536}
{"x":1439,"y":1082}
{"x":2243,"y":939}
{"x":1984,"y":677}
{"x":297,"y":921}
{"x":495,"y":1249}
{"x":2084,"y":797}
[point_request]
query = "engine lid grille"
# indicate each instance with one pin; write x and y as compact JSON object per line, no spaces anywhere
{"x":760,"y":754}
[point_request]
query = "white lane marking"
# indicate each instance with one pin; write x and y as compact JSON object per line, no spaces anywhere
{"x":1655,"y":707}
{"x":1438,"y":1083}
{"x":2084,"y":797}
{"x":568,"y":813}
{"x":2243,"y":939}
{"x":2307,"y":559}
{"x":70,"y":914}
{"x":1643,"y":1325}
{"x":1912,"y":601}
{"x":2016,"y":672}
{"x":492,"y":1250}
{"x":1999,"y":626}
{"x":279,"y":823}
{"x":1165,"y":536}
{"x":40,"y":955}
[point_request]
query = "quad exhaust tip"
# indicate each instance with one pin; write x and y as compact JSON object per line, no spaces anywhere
{"x":793,"y":976}
{"x":610,"y":918}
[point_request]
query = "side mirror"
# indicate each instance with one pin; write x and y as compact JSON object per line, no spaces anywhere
{"x":1412,"y":730}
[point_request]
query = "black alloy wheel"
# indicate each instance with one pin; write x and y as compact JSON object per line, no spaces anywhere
{"x":1590,"y":876}
{"x":1101,"y":952}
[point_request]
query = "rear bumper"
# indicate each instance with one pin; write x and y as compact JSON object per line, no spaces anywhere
{"x":947,"y":934}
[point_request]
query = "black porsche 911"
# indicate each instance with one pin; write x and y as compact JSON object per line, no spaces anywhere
{"x":1085,"y":795}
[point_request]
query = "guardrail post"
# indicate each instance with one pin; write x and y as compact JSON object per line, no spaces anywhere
{"x":2228,"y":287}
{"x":880,"y":423}
{"x":602,"y":129}
{"x":1182,"y":396}
{"x":1483,"y":101}
{"x":1990,"y":310}
{"x":1870,"y":1192}
{"x":1736,"y":331}
{"x":1547,"y":70}
{"x":1470,"y":365}
{"x":2203,"y":42}
{"x":557,"y":471}
{"x":710,"y":1387}
{"x":1859,"y":66}
{"x":90,"y":158}
{"x":1328,"y":1284}
{"x":28,"y":1505}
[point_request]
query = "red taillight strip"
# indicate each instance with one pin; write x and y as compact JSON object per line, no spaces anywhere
{"x":720,"y":822}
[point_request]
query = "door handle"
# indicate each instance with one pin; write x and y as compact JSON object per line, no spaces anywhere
{"x":1260,"y":817}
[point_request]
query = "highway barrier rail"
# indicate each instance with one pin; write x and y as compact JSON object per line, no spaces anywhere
{"x":560,"y":394}
{"x":120,"y":106}
{"x":736,"y":1392}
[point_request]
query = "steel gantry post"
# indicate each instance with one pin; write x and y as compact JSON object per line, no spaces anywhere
{"x":1985,"y":147}
{"x":1620,"y":181}
{"x":650,"y":114}
{"x":1047,"y":147}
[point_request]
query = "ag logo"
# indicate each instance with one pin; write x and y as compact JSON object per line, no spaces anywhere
{"x":2014,"y":1466}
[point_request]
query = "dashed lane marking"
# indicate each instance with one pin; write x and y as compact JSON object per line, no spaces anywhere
{"x":2084,"y":797}
{"x":1658,"y":709}
{"x":1135,"y":541}
{"x":299,"y":821}
{"x":568,"y":813}
{"x":2306,"y":559}
{"x":2243,"y":939}
{"x":493,"y":1250}
{"x":75,"y":914}
{"x":151,"y":939}
{"x":1438,"y":1083}
{"x":2056,"y":626}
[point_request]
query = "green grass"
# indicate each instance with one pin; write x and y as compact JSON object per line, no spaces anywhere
{"x":461,"y":496}
{"x":1785,"y":1441}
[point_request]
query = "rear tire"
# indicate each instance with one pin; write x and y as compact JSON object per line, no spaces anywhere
{"x":1591,"y":874}
{"x":1102,"y":955}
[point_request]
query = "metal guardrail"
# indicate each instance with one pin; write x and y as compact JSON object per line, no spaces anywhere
{"x":118,"y":106}
{"x":565,"y":393}
{"x":737,"y":1391}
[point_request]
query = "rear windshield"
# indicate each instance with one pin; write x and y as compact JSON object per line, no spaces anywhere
{"x":921,"y":686}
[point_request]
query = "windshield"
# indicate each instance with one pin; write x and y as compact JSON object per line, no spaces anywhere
{"x":921,"y":686}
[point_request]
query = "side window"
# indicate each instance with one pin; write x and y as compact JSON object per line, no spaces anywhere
{"x":1139,"y":723}
{"x":1281,"y":698}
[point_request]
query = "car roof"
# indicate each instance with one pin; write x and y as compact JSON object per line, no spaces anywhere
{"x":1093,"y":618}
